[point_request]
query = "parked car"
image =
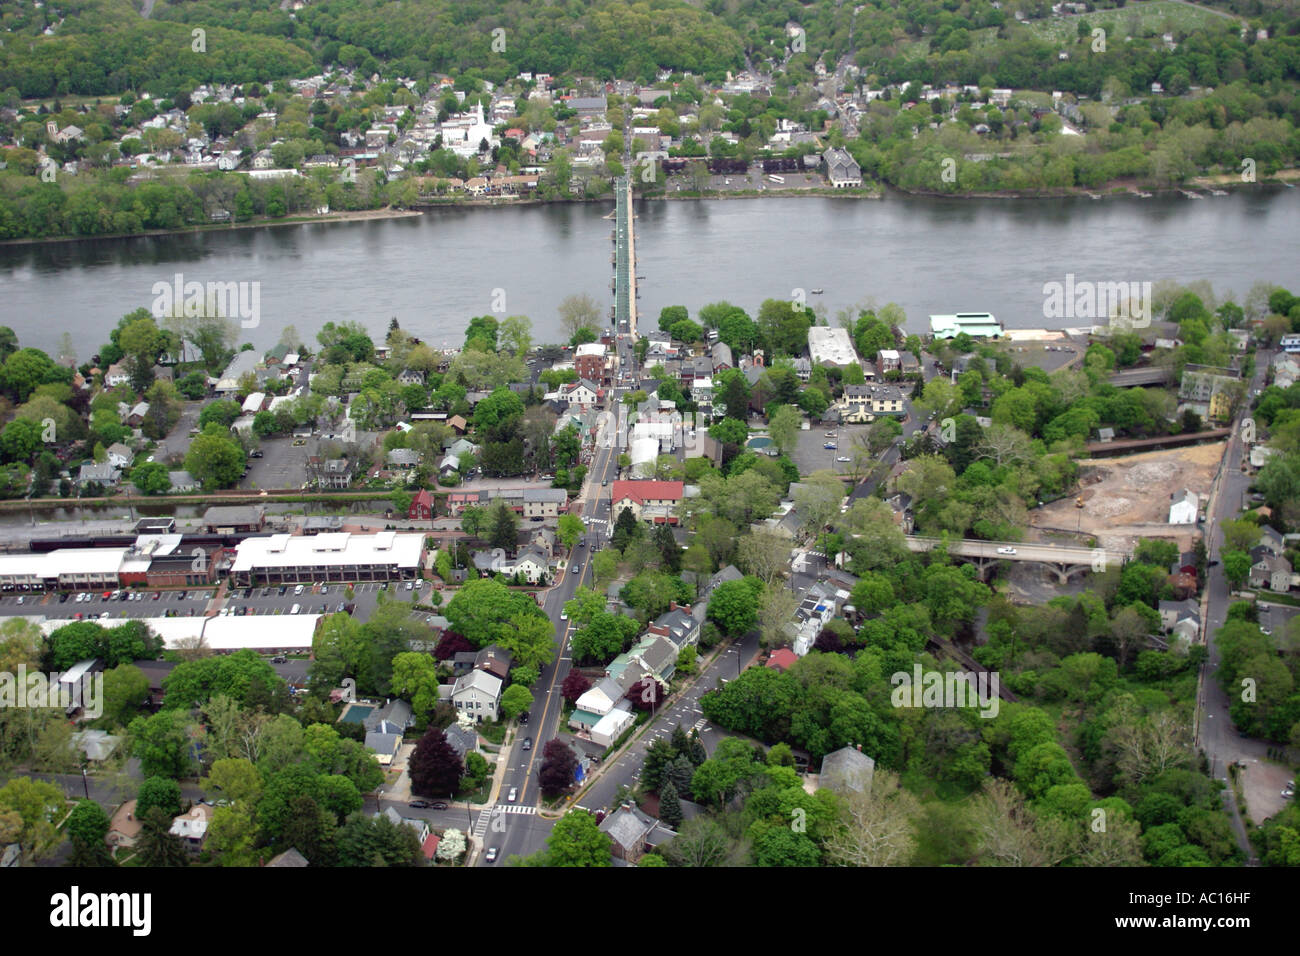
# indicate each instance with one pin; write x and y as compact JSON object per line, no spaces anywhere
{"x":437,"y":805}
{"x":843,"y":458}
{"x":830,"y":446}
{"x":298,"y":589}
{"x":419,"y":804}
{"x":491,"y":854}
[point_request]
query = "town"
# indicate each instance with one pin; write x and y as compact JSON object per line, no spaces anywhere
{"x":631,"y":598}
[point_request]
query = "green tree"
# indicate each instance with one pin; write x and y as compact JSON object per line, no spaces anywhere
{"x":783,"y":426}
{"x":569,"y":529}
{"x":576,"y":840}
{"x":214,"y":459}
{"x":151,"y":478}
{"x":514,"y":701}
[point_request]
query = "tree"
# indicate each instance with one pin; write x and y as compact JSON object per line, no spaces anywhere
{"x":733,"y":606}
{"x":503,"y":526}
{"x":569,"y":529}
{"x":159,"y":792}
{"x":157,"y":846}
{"x":558,"y":767}
{"x":579,"y":316}
{"x":876,"y":826}
{"x":763,"y":554}
{"x":516,"y":334}
{"x":514,"y":701}
{"x":164,"y":743}
{"x":670,"y":806}
{"x":435,"y":767}
{"x":151,"y":478}
{"x":603,"y":638}
{"x":783,"y":426}
{"x":576,"y":840}
{"x":88,"y":823}
{"x":776,"y":607}
{"x":575,"y":685}
{"x":452,"y":846}
{"x":214,"y":459}
{"x":34,"y":804}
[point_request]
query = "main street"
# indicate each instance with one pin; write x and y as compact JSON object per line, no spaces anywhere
{"x":514,"y":828}
{"x":1216,"y":736}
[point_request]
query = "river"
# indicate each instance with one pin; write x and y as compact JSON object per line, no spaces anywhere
{"x":435,"y":271}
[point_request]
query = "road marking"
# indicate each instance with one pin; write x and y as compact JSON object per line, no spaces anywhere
{"x":513,"y":808}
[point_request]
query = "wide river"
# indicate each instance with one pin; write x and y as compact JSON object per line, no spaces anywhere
{"x":435,"y":271}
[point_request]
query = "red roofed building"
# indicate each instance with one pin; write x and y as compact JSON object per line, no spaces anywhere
{"x":781,"y":659}
{"x":421,"y":506}
{"x":515,"y":132}
{"x":430,"y":846}
{"x":651,"y":501}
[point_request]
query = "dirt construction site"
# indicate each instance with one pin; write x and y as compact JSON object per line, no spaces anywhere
{"x":1127,"y":498}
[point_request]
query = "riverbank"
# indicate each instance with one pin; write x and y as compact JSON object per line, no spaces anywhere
{"x":356,"y":215}
{"x":1114,"y":190}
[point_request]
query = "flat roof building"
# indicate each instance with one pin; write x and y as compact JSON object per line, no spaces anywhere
{"x":828,"y":346}
{"x":975,"y":324}
{"x":339,"y":556}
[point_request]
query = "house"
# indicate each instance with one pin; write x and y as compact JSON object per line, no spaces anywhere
{"x":842,"y":170}
{"x":651,"y":657}
{"x":900,"y":504}
{"x":119,"y":455}
{"x":579,"y":393}
{"x":463,"y":740}
{"x":192,"y":826}
{"x":1184,"y":507}
{"x":135,"y":417}
{"x":477,"y":694}
{"x":1105,"y":435}
{"x":385,"y":741}
{"x":651,"y":501}
{"x":494,"y":659}
{"x":335,"y":473}
{"x":632,"y":832}
{"x":544,"y":502}
{"x":290,"y":857}
{"x":116,"y":375}
{"x":420,"y":826}
{"x":458,"y":424}
{"x":781,"y":659}
{"x":124,"y":829}
{"x":403,"y":459}
{"x":1271,"y":539}
{"x":182,"y":481}
{"x":820,"y":603}
{"x":421,"y":506}
{"x":409,"y":376}
{"x":105,"y":474}
{"x":890,"y":360}
{"x":847,"y":769}
{"x":396,"y":713}
{"x":1171,"y":612}
{"x":721,"y":356}
{"x":1271,"y":571}
{"x":677,"y":624}
{"x":529,"y":564}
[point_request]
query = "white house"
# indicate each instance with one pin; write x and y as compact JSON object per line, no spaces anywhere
{"x":1184,"y":507}
{"x":477,"y":695}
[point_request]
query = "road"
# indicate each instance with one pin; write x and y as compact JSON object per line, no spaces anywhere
{"x":515,"y":829}
{"x":685,"y":710}
{"x":1020,"y":551}
{"x":1216,"y":736}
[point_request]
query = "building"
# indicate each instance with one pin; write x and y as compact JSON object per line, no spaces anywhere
{"x":544,"y":502}
{"x":677,"y":624}
{"x":974,"y":324}
{"x":234,"y":519}
{"x":385,"y":742}
{"x":341,"y":556}
{"x":1184,"y":508}
{"x":842,"y":170}
{"x":862,"y":403}
{"x":591,"y":362}
{"x":116,"y":375}
{"x":847,"y":770}
{"x":827,"y":346}
{"x":105,"y":474}
{"x":651,"y":501}
{"x":477,"y":694}
{"x":421,"y":506}
{"x":632,"y":832}
{"x":1271,"y":571}
{"x":192,"y":826}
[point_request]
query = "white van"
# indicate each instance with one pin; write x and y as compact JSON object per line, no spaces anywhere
{"x":295,"y":609}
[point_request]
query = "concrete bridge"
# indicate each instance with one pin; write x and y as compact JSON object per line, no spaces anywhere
{"x":1063,"y":561}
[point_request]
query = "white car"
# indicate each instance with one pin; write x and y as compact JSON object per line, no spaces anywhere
{"x":298,"y":589}
{"x":513,"y":795}
{"x":843,"y":458}
{"x":491,"y":854}
{"x":1006,"y":550}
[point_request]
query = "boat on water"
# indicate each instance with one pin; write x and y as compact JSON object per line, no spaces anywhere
{"x":1218,"y":192}
{"x":817,"y":291}
{"x":1142,"y":195}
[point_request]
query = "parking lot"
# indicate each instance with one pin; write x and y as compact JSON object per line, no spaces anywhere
{"x":312,"y":599}
{"x":811,"y":455}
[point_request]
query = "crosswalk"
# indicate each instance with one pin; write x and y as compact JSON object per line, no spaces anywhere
{"x":485,"y":818}
{"x":513,"y":808}
{"x":699,"y":724}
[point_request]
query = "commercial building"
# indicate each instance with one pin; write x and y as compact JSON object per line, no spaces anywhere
{"x":827,"y":346}
{"x":340,"y":556}
{"x":974,"y":324}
